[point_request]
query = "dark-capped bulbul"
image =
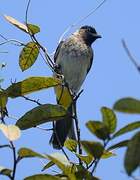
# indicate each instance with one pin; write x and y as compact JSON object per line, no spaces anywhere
{"x":74,"y":57}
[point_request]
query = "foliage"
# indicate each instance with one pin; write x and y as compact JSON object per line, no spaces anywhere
{"x":87,"y":154}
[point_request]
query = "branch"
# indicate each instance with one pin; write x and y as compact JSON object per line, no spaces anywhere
{"x":3,"y":37}
{"x":77,"y":124}
{"x":44,"y":129}
{"x":81,"y":20}
{"x":5,"y":146}
{"x":27,"y":10}
{"x":14,"y":159}
{"x":32,"y":100}
{"x":130,"y":55}
{"x":13,"y":41}
{"x":96,"y":162}
{"x":47,"y":58}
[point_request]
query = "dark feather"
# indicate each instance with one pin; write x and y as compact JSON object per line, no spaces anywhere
{"x":57,"y":50}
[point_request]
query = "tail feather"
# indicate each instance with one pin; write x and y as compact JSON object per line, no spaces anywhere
{"x":62,"y":129}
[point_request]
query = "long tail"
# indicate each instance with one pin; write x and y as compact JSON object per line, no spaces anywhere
{"x":63,"y":128}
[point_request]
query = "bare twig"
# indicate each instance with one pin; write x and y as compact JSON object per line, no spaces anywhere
{"x":90,"y":165}
{"x":13,"y":41}
{"x":14,"y":161}
{"x":4,"y":52}
{"x":27,"y":10}
{"x":81,"y":20}
{"x":47,"y":58}
{"x":130,"y":55}
{"x":32,"y":100}
{"x":44,"y":129}
{"x":77,"y":124}
{"x":5,"y":146}
{"x":3,"y":37}
{"x":98,"y":160}
{"x":77,"y":130}
{"x":78,"y":95}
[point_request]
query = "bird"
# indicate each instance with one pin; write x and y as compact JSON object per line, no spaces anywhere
{"x":73,"y":59}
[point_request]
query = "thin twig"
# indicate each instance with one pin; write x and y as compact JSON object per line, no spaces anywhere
{"x":130,"y":55}
{"x":47,"y":57}
{"x":27,"y":10}
{"x":48,"y":60}
{"x":14,"y":42}
{"x":4,"y":52}
{"x":98,"y":160}
{"x":44,"y":129}
{"x":5,"y":146}
{"x":32,"y":100}
{"x":81,"y":20}
{"x":78,"y":95}
{"x":77,"y":131}
{"x":77,"y":123}
{"x":90,"y":165}
{"x":14,"y":161}
{"x":3,"y":37}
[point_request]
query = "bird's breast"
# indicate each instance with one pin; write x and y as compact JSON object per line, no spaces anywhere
{"x":74,"y":60}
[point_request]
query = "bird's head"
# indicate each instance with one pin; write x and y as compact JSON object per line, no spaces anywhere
{"x":88,"y":34}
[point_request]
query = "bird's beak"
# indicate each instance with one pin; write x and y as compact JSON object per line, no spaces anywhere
{"x":97,"y":36}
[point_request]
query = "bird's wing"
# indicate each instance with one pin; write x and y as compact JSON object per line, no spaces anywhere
{"x":91,"y":61}
{"x":57,"y":50}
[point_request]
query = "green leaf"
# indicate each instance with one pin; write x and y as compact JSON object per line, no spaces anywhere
{"x":119,"y":145}
{"x":128,"y":128}
{"x":48,"y":165}
{"x":132,"y":156}
{"x":83,"y":173}
{"x":71,"y":145}
{"x":128,"y":105}
{"x":95,"y":149}
{"x":29,"y":153}
{"x":87,"y":159}
{"x":30,"y":85}
{"x":42,"y":177}
{"x":28,"y":55}
{"x":107,"y":154}
{"x":5,"y":171}
{"x":61,"y":161}
{"x":109,"y":118}
{"x":99,"y":129}
{"x":30,"y":28}
{"x":41,"y":114}
{"x":16,"y":23}
{"x":33,"y":29}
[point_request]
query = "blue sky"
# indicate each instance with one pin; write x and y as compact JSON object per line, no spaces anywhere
{"x":112,"y":75}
